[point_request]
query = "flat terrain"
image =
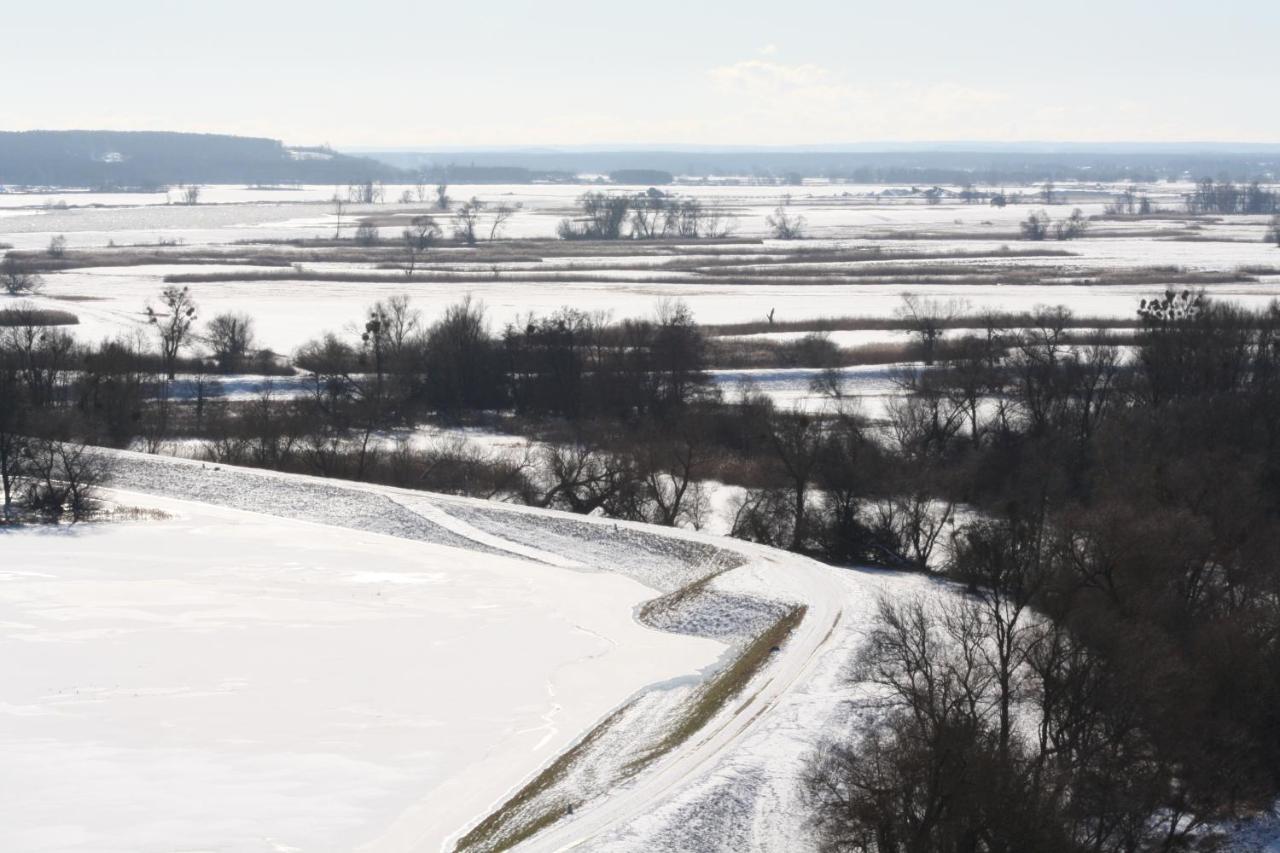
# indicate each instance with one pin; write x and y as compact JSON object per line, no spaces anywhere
{"x":269,"y":253}
{"x":821,"y":276}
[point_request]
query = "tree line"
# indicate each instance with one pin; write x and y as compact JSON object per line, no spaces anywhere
{"x":1108,"y":678}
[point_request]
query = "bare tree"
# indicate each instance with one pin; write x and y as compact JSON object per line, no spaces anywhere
{"x":1274,"y":234}
{"x":368,"y":192}
{"x":57,"y":246}
{"x":1072,"y":227}
{"x":17,"y":276}
{"x":672,"y":468}
{"x":418,"y":238}
{"x":652,"y":214}
{"x":784,"y":226}
{"x":173,"y":322}
{"x":442,"y":196}
{"x":367,"y":233}
{"x":928,"y":319}
{"x":13,"y":438}
{"x":337,"y":212}
{"x":501,"y":214}
{"x":64,"y":479}
{"x":914,"y":522}
{"x":796,"y":439}
{"x":230,"y":336}
{"x":1036,"y":226}
{"x":603,"y":217}
{"x":465,"y":220}
{"x":191,"y":194}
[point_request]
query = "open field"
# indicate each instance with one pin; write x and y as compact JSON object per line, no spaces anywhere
{"x":865,"y":249}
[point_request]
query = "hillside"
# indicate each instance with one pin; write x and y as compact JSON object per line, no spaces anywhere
{"x":102,"y":158}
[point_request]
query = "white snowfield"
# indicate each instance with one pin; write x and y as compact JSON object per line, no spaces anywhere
{"x":295,"y":664}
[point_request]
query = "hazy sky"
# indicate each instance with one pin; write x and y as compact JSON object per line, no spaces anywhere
{"x":505,"y":72}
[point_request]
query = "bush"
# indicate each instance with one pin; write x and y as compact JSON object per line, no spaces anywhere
{"x":17,"y":276}
{"x":367,"y":234}
{"x":63,"y":479}
{"x":1035,"y":226}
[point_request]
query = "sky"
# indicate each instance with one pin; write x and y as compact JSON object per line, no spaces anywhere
{"x":432,"y":75}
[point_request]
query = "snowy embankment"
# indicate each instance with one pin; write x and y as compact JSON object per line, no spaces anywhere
{"x":294,"y":663}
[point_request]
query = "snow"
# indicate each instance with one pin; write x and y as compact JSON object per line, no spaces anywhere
{"x":227,"y":680}
{"x":869,"y":386}
{"x":336,"y":704}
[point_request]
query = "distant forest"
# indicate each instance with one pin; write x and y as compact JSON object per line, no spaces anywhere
{"x":943,"y":165}
{"x":148,"y":160}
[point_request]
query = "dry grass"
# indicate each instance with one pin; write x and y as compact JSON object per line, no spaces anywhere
{"x":131,"y":513}
{"x":746,"y":274}
{"x":512,"y":822}
{"x":723,"y":687}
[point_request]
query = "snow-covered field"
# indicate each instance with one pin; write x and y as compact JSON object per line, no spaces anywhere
{"x":382,"y":676}
{"x":111,"y":300}
{"x":230,"y":681}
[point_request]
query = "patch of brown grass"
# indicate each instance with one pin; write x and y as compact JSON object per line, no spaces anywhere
{"x":723,"y":687}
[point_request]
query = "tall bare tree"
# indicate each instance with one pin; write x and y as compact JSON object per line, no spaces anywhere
{"x":418,"y":239}
{"x":928,"y":319}
{"x":173,"y":321}
{"x":501,"y":214}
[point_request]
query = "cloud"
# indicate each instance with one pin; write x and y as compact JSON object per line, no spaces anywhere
{"x":796,"y":102}
{"x":763,"y":73}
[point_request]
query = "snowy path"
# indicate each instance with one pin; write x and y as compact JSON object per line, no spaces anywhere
{"x":798,"y":579}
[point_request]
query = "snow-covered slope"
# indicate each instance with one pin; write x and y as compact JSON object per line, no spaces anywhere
{"x":294,"y":663}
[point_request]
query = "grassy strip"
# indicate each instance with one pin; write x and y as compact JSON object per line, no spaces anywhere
{"x":514,"y":822}
{"x":798,"y":255}
{"x":73,"y":260}
{"x":36,"y":317}
{"x":877,"y":273}
{"x":509,"y":824}
{"x":728,"y":683}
